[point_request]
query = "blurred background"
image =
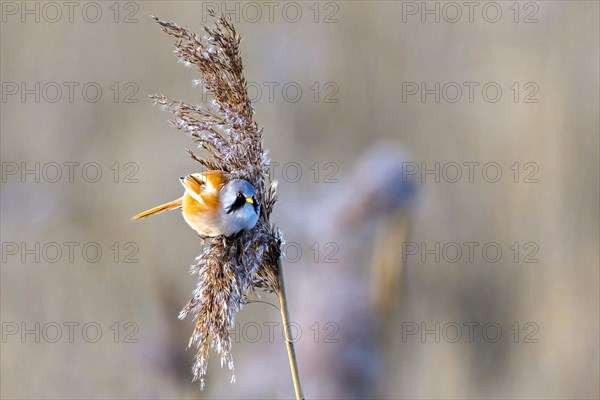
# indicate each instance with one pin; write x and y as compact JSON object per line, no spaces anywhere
{"x":438,"y":184}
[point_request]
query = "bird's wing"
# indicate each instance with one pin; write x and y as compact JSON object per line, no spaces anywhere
{"x":204,"y":187}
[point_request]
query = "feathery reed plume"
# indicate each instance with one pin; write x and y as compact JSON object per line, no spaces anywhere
{"x":229,"y":268}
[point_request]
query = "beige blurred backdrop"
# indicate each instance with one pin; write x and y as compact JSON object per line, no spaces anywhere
{"x":90,"y":325}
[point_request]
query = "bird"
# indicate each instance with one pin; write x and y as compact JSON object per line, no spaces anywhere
{"x":213,"y":207}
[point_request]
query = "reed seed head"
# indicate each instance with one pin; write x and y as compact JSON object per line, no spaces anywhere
{"x":229,"y":268}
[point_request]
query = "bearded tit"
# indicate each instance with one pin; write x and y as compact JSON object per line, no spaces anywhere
{"x":212,"y":207}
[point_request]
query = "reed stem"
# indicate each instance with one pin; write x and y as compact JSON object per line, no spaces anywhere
{"x":285,"y":316}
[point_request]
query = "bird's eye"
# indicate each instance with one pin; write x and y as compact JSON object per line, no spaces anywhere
{"x":239,"y":195}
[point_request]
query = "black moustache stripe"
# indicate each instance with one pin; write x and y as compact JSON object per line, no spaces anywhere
{"x":237,"y":204}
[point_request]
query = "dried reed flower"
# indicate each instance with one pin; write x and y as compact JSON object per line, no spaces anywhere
{"x":229,"y":268}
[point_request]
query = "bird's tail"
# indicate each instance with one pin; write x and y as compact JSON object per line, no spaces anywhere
{"x":156,"y":210}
